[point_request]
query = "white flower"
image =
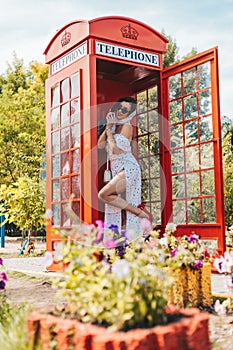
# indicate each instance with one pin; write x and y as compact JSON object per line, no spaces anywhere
{"x":163,"y":241}
{"x":219,"y":308}
{"x":121,"y":268}
{"x":131,"y":235}
{"x":170,"y":227}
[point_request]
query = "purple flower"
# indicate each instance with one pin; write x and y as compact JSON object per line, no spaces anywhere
{"x":173,"y":252}
{"x":2,"y":284}
{"x":114,"y":228}
{"x":3,"y":276}
{"x":198,"y":265}
{"x":193,"y":238}
{"x":1,"y":261}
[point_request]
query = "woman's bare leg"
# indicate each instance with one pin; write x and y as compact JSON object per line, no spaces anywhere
{"x":109,"y":194}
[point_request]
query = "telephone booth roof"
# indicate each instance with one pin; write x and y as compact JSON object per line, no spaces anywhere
{"x":109,"y":28}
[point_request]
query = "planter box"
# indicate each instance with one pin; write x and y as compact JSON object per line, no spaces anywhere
{"x":190,"y":333}
{"x":192,"y":288}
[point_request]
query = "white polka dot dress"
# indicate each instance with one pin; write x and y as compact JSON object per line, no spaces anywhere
{"x":125,"y":161}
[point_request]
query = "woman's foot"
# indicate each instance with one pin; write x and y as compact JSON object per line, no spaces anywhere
{"x":145,"y":212}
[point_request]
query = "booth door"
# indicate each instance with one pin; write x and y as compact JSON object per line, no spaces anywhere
{"x":191,"y":143}
{"x":63,"y":149}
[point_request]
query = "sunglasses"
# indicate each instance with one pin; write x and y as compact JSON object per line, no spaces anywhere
{"x":124,"y":110}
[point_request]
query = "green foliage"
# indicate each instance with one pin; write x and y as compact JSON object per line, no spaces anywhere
{"x":228,"y":171}
{"x":22,"y":120}
{"x":23,"y":203}
{"x":13,"y":333}
{"x":171,"y":55}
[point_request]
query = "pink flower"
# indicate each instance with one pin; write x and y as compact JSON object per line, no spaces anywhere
{"x":109,"y":242}
{"x":146,"y":224}
{"x":100,"y":225}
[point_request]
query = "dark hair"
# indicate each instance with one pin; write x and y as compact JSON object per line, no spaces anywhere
{"x":129,"y":99}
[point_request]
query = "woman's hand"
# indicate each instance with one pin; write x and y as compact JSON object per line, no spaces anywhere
{"x":111,"y":119}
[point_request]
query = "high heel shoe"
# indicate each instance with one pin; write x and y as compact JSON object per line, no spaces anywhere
{"x":143,"y":208}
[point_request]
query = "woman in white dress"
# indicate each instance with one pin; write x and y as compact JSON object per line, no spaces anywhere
{"x":116,"y":138}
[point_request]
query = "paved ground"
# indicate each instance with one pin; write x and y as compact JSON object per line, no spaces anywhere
{"x":35,"y":266}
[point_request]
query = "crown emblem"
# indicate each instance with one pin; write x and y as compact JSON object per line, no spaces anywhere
{"x":129,"y":32}
{"x":65,"y":39}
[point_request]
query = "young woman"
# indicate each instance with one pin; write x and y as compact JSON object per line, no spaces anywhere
{"x":116,"y":138}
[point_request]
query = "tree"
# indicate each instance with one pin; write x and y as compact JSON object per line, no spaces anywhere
{"x":22,"y":121}
{"x":23,"y":204}
{"x":22,"y":143}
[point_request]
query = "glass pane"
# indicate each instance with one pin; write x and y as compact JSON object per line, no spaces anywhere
{"x":203,"y":75}
{"x":142,"y":124}
{"x":153,"y":97}
{"x":178,"y":187}
{"x":75,"y":186}
{"x":191,"y":132}
{"x":75,"y":212}
{"x":208,"y":188}
{"x":75,"y":110}
{"x":65,"y":189}
{"x":156,"y":212}
{"x":194,"y":211}
{"x":192,"y":158}
{"x":205,"y":103}
{"x":65,"y":118}
{"x":154,"y":166}
{"x":176,"y":136}
{"x":141,"y":102}
{"x":55,"y":118}
{"x":207,"y":155}
{"x":55,"y":191}
{"x":56,"y":166}
{"x":65,"y":166}
{"x":55,"y":95}
{"x":75,"y":135}
{"x":177,"y":161}
{"x":154,"y":144}
{"x":179,"y":212}
{"x":75,"y":85}
{"x":144,"y":165}
{"x":175,"y":86}
{"x":145,"y":191}
{"x":190,"y":107}
{"x":193,"y":185}
{"x":155,"y":189}
{"x":65,"y":136}
{"x":143,"y":146}
{"x":65,"y":215}
{"x":206,"y":129}
{"x":153,"y":121}
{"x":55,"y":139}
{"x":56,"y":215}
{"x":65,"y":90}
{"x":209,"y":210}
{"x":176,"y":111}
{"x":189,"y":81}
{"x":75,"y":161}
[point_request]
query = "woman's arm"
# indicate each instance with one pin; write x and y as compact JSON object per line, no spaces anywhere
{"x":102,"y":139}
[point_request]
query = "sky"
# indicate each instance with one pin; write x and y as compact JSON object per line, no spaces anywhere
{"x":26,"y":28}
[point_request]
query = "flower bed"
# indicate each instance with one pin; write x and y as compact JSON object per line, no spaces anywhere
{"x":190,"y":332}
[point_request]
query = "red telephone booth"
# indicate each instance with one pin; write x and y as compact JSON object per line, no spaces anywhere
{"x":177,"y":132}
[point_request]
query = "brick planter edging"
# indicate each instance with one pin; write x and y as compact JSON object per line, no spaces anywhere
{"x":190,"y":333}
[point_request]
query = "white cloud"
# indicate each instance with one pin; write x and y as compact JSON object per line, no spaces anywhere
{"x":26,"y":27}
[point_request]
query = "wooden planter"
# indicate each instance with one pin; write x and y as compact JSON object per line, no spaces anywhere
{"x":192,"y":288}
{"x":190,"y":333}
